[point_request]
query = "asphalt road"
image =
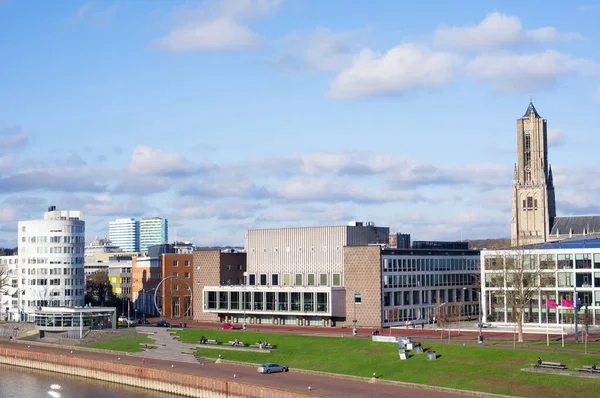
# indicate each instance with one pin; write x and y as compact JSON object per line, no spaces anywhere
{"x":323,"y":386}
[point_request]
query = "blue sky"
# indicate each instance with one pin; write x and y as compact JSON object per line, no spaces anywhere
{"x":224,"y":116}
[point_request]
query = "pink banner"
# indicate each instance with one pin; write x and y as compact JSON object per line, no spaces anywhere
{"x":550,"y":303}
{"x":567,"y":303}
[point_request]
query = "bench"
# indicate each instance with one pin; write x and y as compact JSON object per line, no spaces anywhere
{"x":211,"y":341}
{"x":550,"y":365}
{"x":586,"y":368}
{"x":262,"y":346}
{"x":239,"y":344}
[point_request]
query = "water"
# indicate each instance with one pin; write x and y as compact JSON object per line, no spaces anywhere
{"x":18,"y":382}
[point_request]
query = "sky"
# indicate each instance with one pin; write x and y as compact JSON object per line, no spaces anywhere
{"x":229,"y":115}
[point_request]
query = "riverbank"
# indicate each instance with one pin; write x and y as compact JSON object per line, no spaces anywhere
{"x":138,"y":376}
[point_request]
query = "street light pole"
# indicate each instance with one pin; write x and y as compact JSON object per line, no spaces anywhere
{"x":354,"y":331}
{"x":244,"y":326}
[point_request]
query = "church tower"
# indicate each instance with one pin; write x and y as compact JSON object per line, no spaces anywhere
{"x":533,"y":204}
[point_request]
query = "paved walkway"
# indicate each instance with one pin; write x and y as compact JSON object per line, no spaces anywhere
{"x":166,"y":347}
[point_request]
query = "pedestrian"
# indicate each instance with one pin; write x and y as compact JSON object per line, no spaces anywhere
{"x":593,"y":368}
{"x":538,"y":363}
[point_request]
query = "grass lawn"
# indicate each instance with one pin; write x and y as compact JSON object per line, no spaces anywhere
{"x":488,"y":369}
{"x":126,"y":343}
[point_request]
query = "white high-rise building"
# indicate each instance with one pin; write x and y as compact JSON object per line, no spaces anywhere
{"x":153,"y":231}
{"x":51,"y":253}
{"x":125,"y":233}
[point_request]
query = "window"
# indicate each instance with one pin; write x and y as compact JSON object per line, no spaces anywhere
{"x":175,"y":264}
{"x":239,"y":267}
{"x":252,"y":279}
{"x":187,"y":263}
{"x":228,"y":267}
{"x":275,"y":279}
{"x":310,"y":279}
{"x":187,"y":275}
{"x":337,"y":280}
{"x":298,"y":280}
{"x":263,"y":279}
{"x":323,"y":279}
{"x":287,"y":279}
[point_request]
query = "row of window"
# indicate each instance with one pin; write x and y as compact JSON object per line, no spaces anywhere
{"x":403,"y":281}
{"x":67,"y":229}
{"x":176,"y":263}
{"x":53,"y":239}
{"x":52,"y":271}
{"x":52,"y":303}
{"x":549,"y":280}
{"x":267,"y":301}
{"x":544,"y":261}
{"x":430,"y":264}
{"x":418,"y":297}
{"x":298,"y":280}
{"x":229,"y":267}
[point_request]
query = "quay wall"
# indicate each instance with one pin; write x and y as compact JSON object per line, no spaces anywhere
{"x":138,"y":376}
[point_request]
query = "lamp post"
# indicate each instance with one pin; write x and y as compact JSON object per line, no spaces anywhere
{"x":354,"y":331}
{"x":480,"y":324}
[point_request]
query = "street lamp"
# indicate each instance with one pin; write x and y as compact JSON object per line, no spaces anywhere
{"x":480,"y":324}
{"x":356,"y":297}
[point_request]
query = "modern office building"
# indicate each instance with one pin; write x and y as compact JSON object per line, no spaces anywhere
{"x":563,"y":271}
{"x":51,"y":261}
{"x":119,"y":277}
{"x":125,"y":233}
{"x":399,"y":240}
{"x":394,"y":287}
{"x":294,"y":276}
{"x":9,"y":294}
{"x":153,"y":231}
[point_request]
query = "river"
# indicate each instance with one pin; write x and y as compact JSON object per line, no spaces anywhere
{"x":18,"y":382}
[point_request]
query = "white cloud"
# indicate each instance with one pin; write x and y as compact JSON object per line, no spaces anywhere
{"x":218,"y":25}
{"x":150,"y":161}
{"x":496,"y":31}
{"x":556,"y":137}
{"x":404,"y":67}
{"x":510,"y":72}
{"x":322,"y":50}
{"x":13,"y":138}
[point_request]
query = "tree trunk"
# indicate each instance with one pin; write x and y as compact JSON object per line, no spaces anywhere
{"x":520,"y":326}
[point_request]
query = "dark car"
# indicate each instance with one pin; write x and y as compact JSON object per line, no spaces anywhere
{"x":163,"y":324}
{"x":143,"y":322}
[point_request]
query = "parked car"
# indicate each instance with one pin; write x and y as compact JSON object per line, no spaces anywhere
{"x":271,"y":368}
{"x":143,"y":321}
{"x":227,"y":326}
{"x":124,"y":321}
{"x":163,"y":324}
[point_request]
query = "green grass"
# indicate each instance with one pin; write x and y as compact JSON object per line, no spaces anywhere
{"x":488,"y":369}
{"x":126,"y":344}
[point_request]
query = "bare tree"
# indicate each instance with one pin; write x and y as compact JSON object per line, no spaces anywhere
{"x":518,"y":278}
{"x":3,"y":281}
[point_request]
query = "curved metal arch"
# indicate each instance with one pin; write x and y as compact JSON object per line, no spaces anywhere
{"x":156,"y":290}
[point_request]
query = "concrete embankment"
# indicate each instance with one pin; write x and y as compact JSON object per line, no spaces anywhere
{"x":139,"y":376}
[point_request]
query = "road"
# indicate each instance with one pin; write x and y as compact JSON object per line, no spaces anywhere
{"x":323,"y":386}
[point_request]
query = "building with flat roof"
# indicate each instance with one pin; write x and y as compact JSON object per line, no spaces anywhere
{"x":51,"y":261}
{"x":153,"y":231}
{"x":566,"y":271}
{"x":125,"y":233}
{"x":9,"y":294}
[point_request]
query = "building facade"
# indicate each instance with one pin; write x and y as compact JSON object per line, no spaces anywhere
{"x":216,"y":267}
{"x":51,"y":261}
{"x":120,"y":276}
{"x":125,"y":233}
{"x":153,"y":231}
{"x":395,"y":287}
{"x":177,"y":289}
{"x":564,"y":270}
{"x":294,"y":276}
